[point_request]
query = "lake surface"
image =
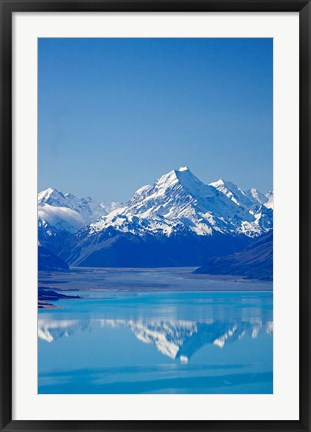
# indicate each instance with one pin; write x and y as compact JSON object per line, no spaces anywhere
{"x":147,"y":331}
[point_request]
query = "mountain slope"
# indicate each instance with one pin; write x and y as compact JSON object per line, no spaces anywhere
{"x":254,"y":262}
{"x":234,"y":193}
{"x":111,"y":248}
{"x":48,"y":261}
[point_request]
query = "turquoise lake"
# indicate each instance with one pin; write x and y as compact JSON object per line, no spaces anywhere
{"x":147,"y":331}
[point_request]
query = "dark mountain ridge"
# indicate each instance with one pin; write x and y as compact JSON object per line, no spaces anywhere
{"x":253,"y":262}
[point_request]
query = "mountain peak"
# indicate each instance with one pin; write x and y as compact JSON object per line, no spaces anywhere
{"x":47,"y":194}
{"x":217,"y":183}
{"x":183,"y":176}
{"x":190,"y":181}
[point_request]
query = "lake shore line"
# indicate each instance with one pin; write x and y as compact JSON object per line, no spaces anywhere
{"x":132,"y":280}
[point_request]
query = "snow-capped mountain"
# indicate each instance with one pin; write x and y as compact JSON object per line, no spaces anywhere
{"x":176,"y":221}
{"x":71,"y":212}
{"x":67,"y":210}
{"x":61,"y":215}
{"x":248,"y":199}
{"x":179,"y":201}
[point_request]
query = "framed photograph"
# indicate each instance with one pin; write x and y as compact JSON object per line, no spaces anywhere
{"x":155,"y":215}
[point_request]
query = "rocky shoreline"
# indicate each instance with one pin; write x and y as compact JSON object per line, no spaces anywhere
{"x":46,"y":295}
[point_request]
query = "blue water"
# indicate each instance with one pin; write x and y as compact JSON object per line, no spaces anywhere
{"x":169,"y":341}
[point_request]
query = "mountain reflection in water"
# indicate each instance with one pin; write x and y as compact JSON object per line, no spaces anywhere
{"x":174,"y":339}
{"x":168,"y":342}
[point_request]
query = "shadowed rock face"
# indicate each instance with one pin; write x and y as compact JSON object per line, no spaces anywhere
{"x":254,"y":262}
{"x":111,"y":248}
{"x":47,"y":260}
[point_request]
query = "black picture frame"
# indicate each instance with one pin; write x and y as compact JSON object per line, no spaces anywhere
{"x":8,"y":7}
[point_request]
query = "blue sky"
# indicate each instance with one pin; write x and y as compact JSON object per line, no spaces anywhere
{"x":115,"y":114}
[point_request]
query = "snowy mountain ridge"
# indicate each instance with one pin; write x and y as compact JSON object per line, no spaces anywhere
{"x":179,"y":201}
{"x":68,"y":212}
{"x":177,"y":221}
